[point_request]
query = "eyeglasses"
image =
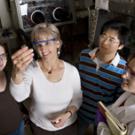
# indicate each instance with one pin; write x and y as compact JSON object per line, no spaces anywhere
{"x":111,"y":40}
{"x":3,"y":56}
{"x":43,"y":42}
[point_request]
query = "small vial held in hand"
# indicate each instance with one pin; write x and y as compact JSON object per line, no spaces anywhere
{"x":33,"y":61}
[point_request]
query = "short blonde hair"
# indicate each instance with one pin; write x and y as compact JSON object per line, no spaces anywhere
{"x":45,"y":29}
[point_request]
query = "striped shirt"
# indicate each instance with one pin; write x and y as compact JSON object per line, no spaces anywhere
{"x":99,"y":82}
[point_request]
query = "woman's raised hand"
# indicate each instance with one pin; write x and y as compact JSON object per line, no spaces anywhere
{"x":22,"y":58}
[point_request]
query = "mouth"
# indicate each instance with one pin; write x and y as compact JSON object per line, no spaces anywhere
{"x":103,"y":47}
{"x":45,"y":53}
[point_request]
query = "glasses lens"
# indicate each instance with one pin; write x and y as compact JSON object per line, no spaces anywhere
{"x":3,"y":56}
{"x":43,"y":42}
{"x":110,"y":39}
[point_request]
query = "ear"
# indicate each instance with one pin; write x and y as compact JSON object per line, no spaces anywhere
{"x":58,"y":43}
{"x":120,"y":47}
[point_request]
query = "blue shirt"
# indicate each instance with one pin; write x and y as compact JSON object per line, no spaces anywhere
{"x":99,"y":84}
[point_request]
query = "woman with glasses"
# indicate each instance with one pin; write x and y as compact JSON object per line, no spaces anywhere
{"x":52,"y":84}
{"x":11,"y":122}
{"x":124,"y":107}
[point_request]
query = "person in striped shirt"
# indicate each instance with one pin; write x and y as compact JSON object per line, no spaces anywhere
{"x":101,"y":70}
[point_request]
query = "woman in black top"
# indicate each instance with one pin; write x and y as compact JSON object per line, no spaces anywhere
{"x":11,"y":122}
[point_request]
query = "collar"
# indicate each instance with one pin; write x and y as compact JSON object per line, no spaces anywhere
{"x":114,"y":62}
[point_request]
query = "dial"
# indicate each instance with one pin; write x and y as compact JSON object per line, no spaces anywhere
{"x":37,"y":17}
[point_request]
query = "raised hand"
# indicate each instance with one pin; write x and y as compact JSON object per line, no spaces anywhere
{"x":21,"y":59}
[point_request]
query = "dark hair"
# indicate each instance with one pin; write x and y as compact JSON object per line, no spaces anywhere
{"x":8,"y":67}
{"x":120,"y":27}
{"x":132,"y":56}
{"x":4,"y":45}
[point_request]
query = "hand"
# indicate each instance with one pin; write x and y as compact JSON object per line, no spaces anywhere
{"x":22,"y":58}
{"x":60,"y":120}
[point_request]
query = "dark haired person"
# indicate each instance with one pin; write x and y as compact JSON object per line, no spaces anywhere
{"x":11,"y":122}
{"x":101,"y":70}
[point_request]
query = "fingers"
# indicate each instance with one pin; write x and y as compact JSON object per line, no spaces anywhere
{"x":22,"y":55}
{"x":23,"y":65}
{"x":57,"y":123}
{"x":22,"y":58}
{"x":19,"y":52}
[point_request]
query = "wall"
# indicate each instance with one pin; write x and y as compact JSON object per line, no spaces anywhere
{"x":4,"y":14}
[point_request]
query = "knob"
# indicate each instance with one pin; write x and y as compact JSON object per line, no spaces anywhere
{"x":37,"y":17}
{"x":60,"y":14}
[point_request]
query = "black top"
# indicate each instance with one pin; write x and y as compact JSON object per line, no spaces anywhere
{"x":10,"y":115}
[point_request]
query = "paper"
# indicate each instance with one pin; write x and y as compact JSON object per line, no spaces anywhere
{"x":24,"y":9}
{"x":102,"y":4}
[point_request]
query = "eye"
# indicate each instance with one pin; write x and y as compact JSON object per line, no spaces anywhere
{"x":39,"y":45}
{"x":111,"y":40}
{"x":3,"y":55}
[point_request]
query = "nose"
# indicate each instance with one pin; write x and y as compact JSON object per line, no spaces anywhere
{"x":105,"y":43}
{"x":41,"y":47}
{"x":106,"y":40}
{"x":1,"y":59}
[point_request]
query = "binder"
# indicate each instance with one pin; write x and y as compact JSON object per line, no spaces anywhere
{"x":116,"y":127}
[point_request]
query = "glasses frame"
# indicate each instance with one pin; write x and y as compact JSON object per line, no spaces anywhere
{"x":47,"y":42}
{"x":111,"y":40}
{"x":3,"y":56}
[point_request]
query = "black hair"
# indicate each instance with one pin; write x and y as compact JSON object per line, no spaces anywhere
{"x":120,"y":27}
{"x":132,"y":56}
{"x":8,"y":66}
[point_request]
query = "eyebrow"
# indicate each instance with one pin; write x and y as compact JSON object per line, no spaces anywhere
{"x":108,"y":36}
{"x":2,"y":53}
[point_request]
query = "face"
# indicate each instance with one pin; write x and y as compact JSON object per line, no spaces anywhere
{"x":129,"y":77}
{"x":3,"y":58}
{"x":47,"y":47}
{"x":109,"y":42}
